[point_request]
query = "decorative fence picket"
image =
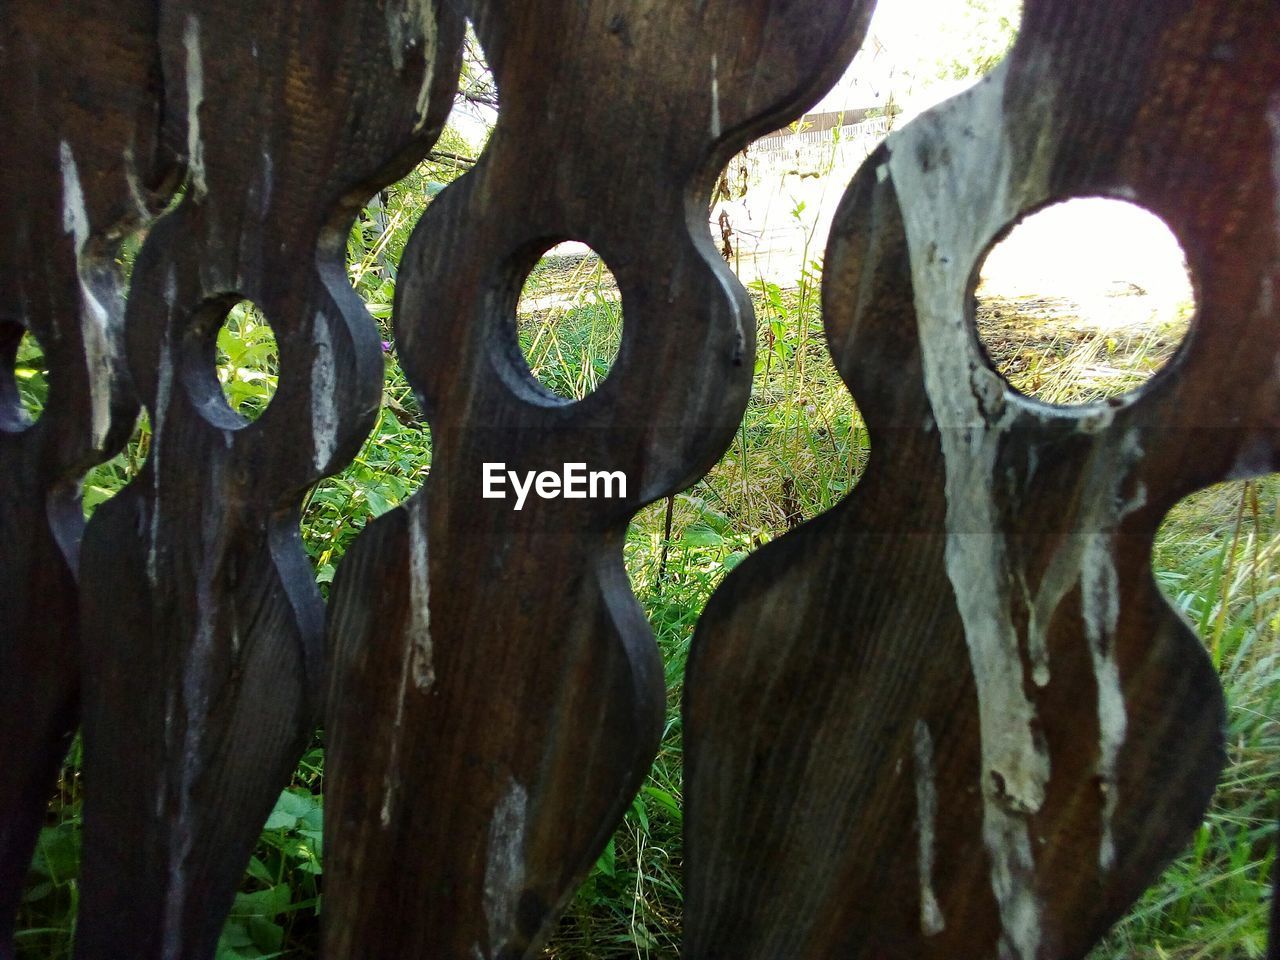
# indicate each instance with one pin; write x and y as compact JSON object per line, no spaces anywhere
{"x":951,"y":718}
{"x":81,"y":161}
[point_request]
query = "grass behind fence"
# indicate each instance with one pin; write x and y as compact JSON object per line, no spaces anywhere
{"x":800,"y":447}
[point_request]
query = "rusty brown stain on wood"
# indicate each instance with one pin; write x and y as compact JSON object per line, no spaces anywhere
{"x":988,"y":582}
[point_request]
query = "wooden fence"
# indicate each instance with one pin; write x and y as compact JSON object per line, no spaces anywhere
{"x":951,"y":718}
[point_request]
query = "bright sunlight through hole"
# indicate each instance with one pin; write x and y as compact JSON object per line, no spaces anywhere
{"x":1084,"y":300}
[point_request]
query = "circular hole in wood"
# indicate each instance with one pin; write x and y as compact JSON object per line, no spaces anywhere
{"x":24,"y":381}
{"x":248,"y":360}
{"x":569,"y":320}
{"x":1084,"y":300}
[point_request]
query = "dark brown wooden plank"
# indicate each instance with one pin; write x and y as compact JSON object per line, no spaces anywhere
{"x":202,"y":622}
{"x":79,"y":167}
{"x":496,"y":696}
{"x":953,"y":717}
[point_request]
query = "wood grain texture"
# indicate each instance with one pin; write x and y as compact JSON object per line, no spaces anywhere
{"x":79,"y":167}
{"x":202,"y":622}
{"x":496,"y":695}
{"x":953,"y":717}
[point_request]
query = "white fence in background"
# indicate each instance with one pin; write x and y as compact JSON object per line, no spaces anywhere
{"x":814,"y":151}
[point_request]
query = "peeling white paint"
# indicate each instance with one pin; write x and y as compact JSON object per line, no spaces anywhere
{"x":1100,"y":596}
{"x":956,"y":192}
{"x":195,"y":97}
{"x":391,"y":775}
{"x":1100,"y":608}
{"x":422,"y":654}
{"x":416,"y":661}
{"x":504,"y":864}
{"x":164,"y":388}
{"x":136,"y":192}
{"x":75,"y":219}
{"x":715,"y":99}
{"x":1087,"y":559}
{"x":95,"y":321}
{"x":932,"y":922}
{"x":1059,"y":577}
{"x":428,"y":32}
{"x":324,"y":412}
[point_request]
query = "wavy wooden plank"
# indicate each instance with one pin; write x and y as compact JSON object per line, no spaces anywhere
{"x":953,"y":717}
{"x":79,"y":167}
{"x":203,"y":625}
{"x":496,"y":696}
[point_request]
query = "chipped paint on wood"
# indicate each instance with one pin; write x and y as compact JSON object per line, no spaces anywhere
{"x":427,"y":30}
{"x":195,"y":99}
{"x":324,"y":401}
{"x":95,"y":322}
{"x":416,"y":661}
{"x":715,"y":99}
{"x":932,"y":921}
{"x":1059,"y":571}
{"x":136,"y":191}
{"x":934,"y":178}
{"x":1100,"y":590}
{"x":1100,"y":608}
{"x":504,"y":865}
{"x":164,"y":387}
{"x":422,"y":654}
{"x":391,"y":772}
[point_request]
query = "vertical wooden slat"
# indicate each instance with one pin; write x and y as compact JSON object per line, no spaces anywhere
{"x":201,"y":618}
{"x":496,"y":696}
{"x":953,"y":717}
{"x":79,"y":167}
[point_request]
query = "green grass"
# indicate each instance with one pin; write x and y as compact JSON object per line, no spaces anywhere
{"x":800,"y":447}
{"x":1218,"y":560}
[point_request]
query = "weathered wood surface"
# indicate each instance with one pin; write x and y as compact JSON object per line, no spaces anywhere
{"x":953,"y":717}
{"x":79,"y":166}
{"x":201,"y":620}
{"x":496,"y":695}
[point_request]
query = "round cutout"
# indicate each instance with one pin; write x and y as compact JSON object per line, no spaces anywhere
{"x":1084,"y":301}
{"x":569,"y":320}
{"x":24,"y":383}
{"x":248,"y":361}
